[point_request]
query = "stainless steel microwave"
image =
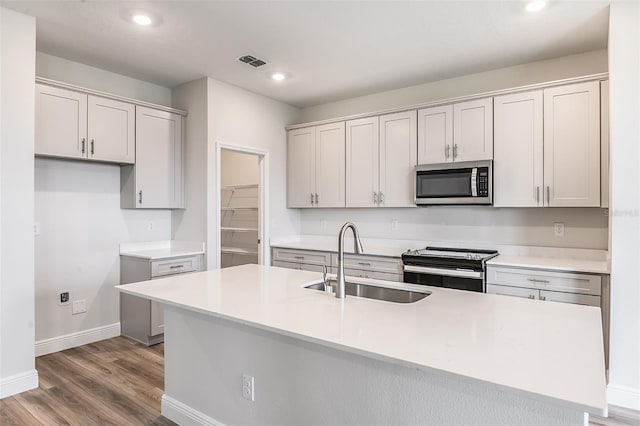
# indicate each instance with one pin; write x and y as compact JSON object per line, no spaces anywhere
{"x":468,"y":182}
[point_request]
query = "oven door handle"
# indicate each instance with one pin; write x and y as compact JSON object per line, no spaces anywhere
{"x":446,"y":272}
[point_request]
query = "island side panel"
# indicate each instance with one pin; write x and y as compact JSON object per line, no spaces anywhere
{"x":298,"y":382}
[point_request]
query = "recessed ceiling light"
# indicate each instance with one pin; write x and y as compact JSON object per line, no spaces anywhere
{"x":535,"y":6}
{"x":141,"y":19}
{"x":278,"y":76}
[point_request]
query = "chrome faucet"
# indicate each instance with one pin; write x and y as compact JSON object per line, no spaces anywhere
{"x":357,"y":247}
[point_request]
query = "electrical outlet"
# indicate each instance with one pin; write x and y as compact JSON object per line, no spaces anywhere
{"x":64,"y":297}
{"x":558,"y":229}
{"x":79,"y":307}
{"x":323,"y":224}
{"x":394,"y":225}
{"x":36,"y":228}
{"x":248,"y":387}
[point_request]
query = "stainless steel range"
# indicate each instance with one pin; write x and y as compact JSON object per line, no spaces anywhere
{"x":462,"y":269}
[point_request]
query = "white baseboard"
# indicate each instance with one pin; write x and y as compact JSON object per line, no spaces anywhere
{"x":68,"y":341}
{"x":623,"y":396}
{"x":18,"y":383}
{"x":184,"y":415}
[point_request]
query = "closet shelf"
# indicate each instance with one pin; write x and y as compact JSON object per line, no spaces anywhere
{"x":236,"y":229}
{"x":236,"y":250}
{"x":238,"y":208}
{"x":239,"y":186}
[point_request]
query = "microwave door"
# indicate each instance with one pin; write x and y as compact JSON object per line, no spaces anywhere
{"x":444,"y":184}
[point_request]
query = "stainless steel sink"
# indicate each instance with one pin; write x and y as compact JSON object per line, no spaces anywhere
{"x":375,"y":292}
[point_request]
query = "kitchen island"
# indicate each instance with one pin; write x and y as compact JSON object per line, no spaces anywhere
{"x":453,"y":357}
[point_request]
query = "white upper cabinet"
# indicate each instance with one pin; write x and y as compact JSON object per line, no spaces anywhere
{"x":381,"y":157}
{"x":316,"y":166}
{"x":111,"y":130}
{"x":473,"y":130}
{"x":572,"y":145}
{"x":458,"y":132}
{"x":72,"y":124}
{"x":398,"y":158}
{"x":156,"y":180}
{"x":518,"y":154}
{"x":330,"y":165}
{"x":60,"y":122}
{"x":362,"y":162}
{"x":435,"y":135}
{"x":301,"y":167}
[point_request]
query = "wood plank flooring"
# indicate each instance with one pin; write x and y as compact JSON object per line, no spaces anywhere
{"x":111,"y":382}
{"x":120,"y":382}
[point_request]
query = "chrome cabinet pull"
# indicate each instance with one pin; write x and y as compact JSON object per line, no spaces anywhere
{"x":532,"y":296}
{"x":455,"y":150}
{"x":543,"y":298}
{"x":364,"y":263}
{"x":381,"y":197}
{"x":298,"y":257}
{"x":83,"y":145}
{"x":548,"y":196}
{"x":92,"y":143}
{"x":537,"y":195}
{"x":140,"y":197}
{"x":375,"y":198}
{"x":311,"y":199}
{"x":317,"y":198}
{"x":534,"y":280}
{"x":446,"y":151}
{"x":176,"y":266}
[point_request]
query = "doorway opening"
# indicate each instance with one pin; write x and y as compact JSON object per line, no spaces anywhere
{"x":241,"y":201}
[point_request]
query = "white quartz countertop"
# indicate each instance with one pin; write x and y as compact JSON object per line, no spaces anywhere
{"x":552,"y":263}
{"x":550,"y":258}
{"x":157,"y":250}
{"x":546,"y":350}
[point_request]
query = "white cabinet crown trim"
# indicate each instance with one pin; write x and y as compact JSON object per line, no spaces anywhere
{"x":60,"y":84}
{"x":439,"y":102}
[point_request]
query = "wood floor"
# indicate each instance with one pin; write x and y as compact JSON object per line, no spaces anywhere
{"x":120,"y":382}
{"x":112,"y":382}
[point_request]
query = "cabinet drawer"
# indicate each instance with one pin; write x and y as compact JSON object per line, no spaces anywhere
{"x":389,"y":265}
{"x":350,"y":272}
{"x":301,"y":256}
{"x":566,"y":282}
{"x":578,"y":299}
{"x":175,"y":266}
{"x":527,"y":293}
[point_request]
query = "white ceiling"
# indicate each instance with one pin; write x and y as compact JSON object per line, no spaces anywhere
{"x":332,"y":49}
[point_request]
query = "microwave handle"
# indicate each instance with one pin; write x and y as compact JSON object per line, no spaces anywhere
{"x":474,"y":182}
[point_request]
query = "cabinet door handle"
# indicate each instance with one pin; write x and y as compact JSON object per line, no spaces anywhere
{"x":532,"y":296}
{"x":298,"y":257}
{"x":543,"y":298}
{"x":447,"y":148}
{"x":140,"y":197}
{"x":364,"y":263}
{"x":311,"y":199}
{"x":381,"y":198}
{"x":537,"y":195}
{"x":534,"y":280}
{"x":83,"y":145}
{"x":317,"y":198}
{"x":375,"y":198}
{"x":92,"y":143}
{"x":455,"y":150}
{"x":176,"y":266}
{"x":548,"y":195}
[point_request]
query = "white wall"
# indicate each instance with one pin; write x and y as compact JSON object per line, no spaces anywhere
{"x":584,"y":228}
{"x":219,"y":112}
{"x":535,"y":72}
{"x":624,"y":63}
{"x":17,"y":95}
{"x":60,"y":69}
{"x":77,"y":204}
{"x":239,"y":168}
{"x":190,"y":224}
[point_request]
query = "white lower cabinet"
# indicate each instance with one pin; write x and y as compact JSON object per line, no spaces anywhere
{"x":143,"y":319}
{"x":567,"y":287}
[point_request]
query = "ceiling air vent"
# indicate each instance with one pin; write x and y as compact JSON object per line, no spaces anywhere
{"x":252,"y":60}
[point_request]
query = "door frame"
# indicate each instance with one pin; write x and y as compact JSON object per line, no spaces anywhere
{"x":214,"y":244}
